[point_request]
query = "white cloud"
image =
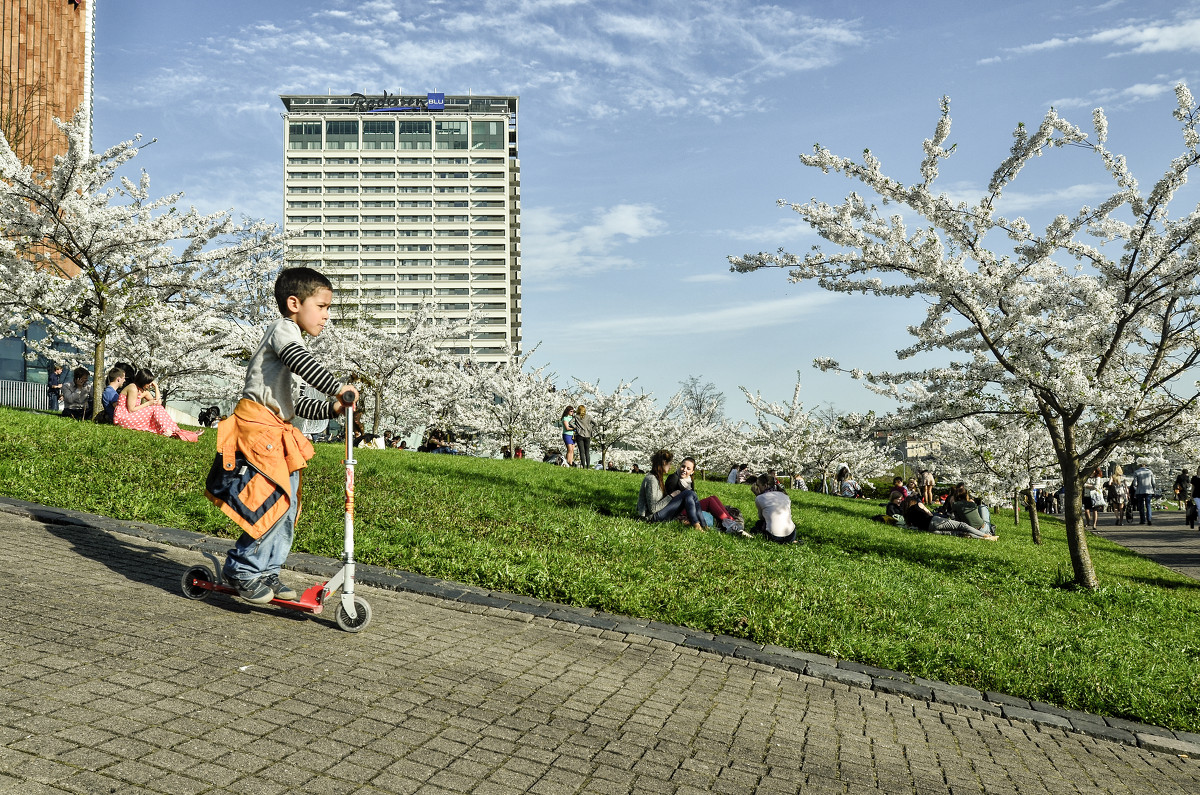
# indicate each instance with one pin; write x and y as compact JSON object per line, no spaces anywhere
{"x":1114,"y":98}
{"x":702,"y":57}
{"x":1143,"y":38}
{"x":556,"y":247}
{"x":734,"y":319}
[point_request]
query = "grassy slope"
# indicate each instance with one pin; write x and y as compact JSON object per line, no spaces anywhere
{"x":985,"y":615}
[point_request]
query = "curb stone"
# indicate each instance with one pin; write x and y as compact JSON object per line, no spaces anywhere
{"x":845,"y":672}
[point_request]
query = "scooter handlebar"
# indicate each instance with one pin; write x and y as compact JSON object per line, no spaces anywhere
{"x":347,"y":397}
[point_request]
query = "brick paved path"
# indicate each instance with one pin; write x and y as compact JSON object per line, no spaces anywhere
{"x":113,"y":682}
{"x":1167,"y":542}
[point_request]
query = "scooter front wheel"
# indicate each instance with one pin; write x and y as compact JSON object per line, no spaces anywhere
{"x":357,"y":624}
{"x":190,"y":589}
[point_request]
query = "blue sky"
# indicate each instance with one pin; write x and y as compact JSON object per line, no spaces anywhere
{"x":656,"y":136}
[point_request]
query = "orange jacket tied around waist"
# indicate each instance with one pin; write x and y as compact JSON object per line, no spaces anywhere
{"x":250,"y":477}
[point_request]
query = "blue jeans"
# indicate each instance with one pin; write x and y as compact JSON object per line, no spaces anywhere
{"x":254,"y":558}
{"x":1143,"y":506}
{"x":686,"y":501}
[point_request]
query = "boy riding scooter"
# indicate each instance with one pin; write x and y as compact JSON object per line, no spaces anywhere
{"x":255,"y":479}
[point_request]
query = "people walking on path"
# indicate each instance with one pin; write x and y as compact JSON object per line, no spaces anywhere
{"x":1144,"y":488}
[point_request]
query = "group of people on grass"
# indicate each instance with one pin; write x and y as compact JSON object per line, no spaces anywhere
{"x":958,"y":515}
{"x":131,"y":399}
{"x":669,"y":496}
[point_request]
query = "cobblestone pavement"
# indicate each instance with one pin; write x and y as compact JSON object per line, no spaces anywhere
{"x":113,"y":682}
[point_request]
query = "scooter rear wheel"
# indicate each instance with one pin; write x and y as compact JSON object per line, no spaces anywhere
{"x":190,"y":589}
{"x":359,"y":623}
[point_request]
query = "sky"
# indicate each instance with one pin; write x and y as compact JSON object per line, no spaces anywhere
{"x":655,"y":138}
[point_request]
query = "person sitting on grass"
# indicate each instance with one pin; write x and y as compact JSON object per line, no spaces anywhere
{"x":850,"y":487}
{"x":112,"y":392}
{"x":918,"y":516}
{"x":683,"y":479}
{"x":774,"y":510}
{"x":656,"y":504}
{"x":970,"y":511}
{"x":77,"y":395}
{"x":139,"y":409}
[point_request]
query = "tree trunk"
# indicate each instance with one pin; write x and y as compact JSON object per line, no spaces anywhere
{"x":378,"y":411}
{"x":98,"y":374}
{"x":1016,"y":508}
{"x":1081,"y":559}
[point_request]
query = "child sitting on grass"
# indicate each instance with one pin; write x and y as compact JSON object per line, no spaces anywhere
{"x":255,"y":479}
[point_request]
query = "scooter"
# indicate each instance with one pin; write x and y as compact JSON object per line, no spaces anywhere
{"x":353,"y":612}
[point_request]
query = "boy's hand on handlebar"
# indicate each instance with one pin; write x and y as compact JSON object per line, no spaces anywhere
{"x":339,"y":405}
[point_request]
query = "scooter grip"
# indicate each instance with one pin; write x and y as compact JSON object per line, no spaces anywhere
{"x":347,"y":397}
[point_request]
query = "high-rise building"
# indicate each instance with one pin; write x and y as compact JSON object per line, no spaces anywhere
{"x":46,"y":49}
{"x":403,"y":198}
{"x":45,"y":71}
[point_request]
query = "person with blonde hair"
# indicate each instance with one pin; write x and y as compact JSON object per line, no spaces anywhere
{"x":583,"y":436}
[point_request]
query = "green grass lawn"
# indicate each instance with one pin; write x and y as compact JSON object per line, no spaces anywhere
{"x":988,"y":615}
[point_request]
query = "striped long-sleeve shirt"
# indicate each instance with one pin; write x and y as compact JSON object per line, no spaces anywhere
{"x":280,"y":355}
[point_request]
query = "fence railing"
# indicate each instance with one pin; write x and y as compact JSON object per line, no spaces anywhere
{"x":24,"y":395}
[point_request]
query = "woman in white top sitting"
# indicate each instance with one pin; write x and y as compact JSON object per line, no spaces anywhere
{"x":774,"y":509}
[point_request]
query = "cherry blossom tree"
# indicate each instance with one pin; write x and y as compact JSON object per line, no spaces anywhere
{"x":85,"y":251}
{"x":1095,"y":337}
{"x":510,"y":402}
{"x":402,"y":366}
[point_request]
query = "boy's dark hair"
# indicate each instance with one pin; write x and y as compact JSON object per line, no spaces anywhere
{"x":80,"y":372}
{"x":114,"y":374}
{"x":300,"y":282}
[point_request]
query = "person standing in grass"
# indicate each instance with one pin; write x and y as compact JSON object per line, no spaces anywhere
{"x":568,"y":434}
{"x":774,"y":510}
{"x":656,"y":504}
{"x":255,"y":478}
{"x":583,"y":436}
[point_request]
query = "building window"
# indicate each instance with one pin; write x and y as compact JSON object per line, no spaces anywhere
{"x":488,"y":134}
{"x":379,"y":135}
{"x":413,"y":135}
{"x":341,"y":135}
{"x":304,"y":135}
{"x":451,"y":135}
{"x":379,"y":189}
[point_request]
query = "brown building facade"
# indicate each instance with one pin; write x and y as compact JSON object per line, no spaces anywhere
{"x":45,"y":71}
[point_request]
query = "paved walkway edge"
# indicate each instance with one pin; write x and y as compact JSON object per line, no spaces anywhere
{"x":1153,"y":738}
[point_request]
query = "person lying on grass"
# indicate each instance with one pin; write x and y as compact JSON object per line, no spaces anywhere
{"x":918,"y":516}
{"x":655,"y":504}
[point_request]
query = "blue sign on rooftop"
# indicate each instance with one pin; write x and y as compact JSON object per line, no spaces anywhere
{"x":436,"y":101}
